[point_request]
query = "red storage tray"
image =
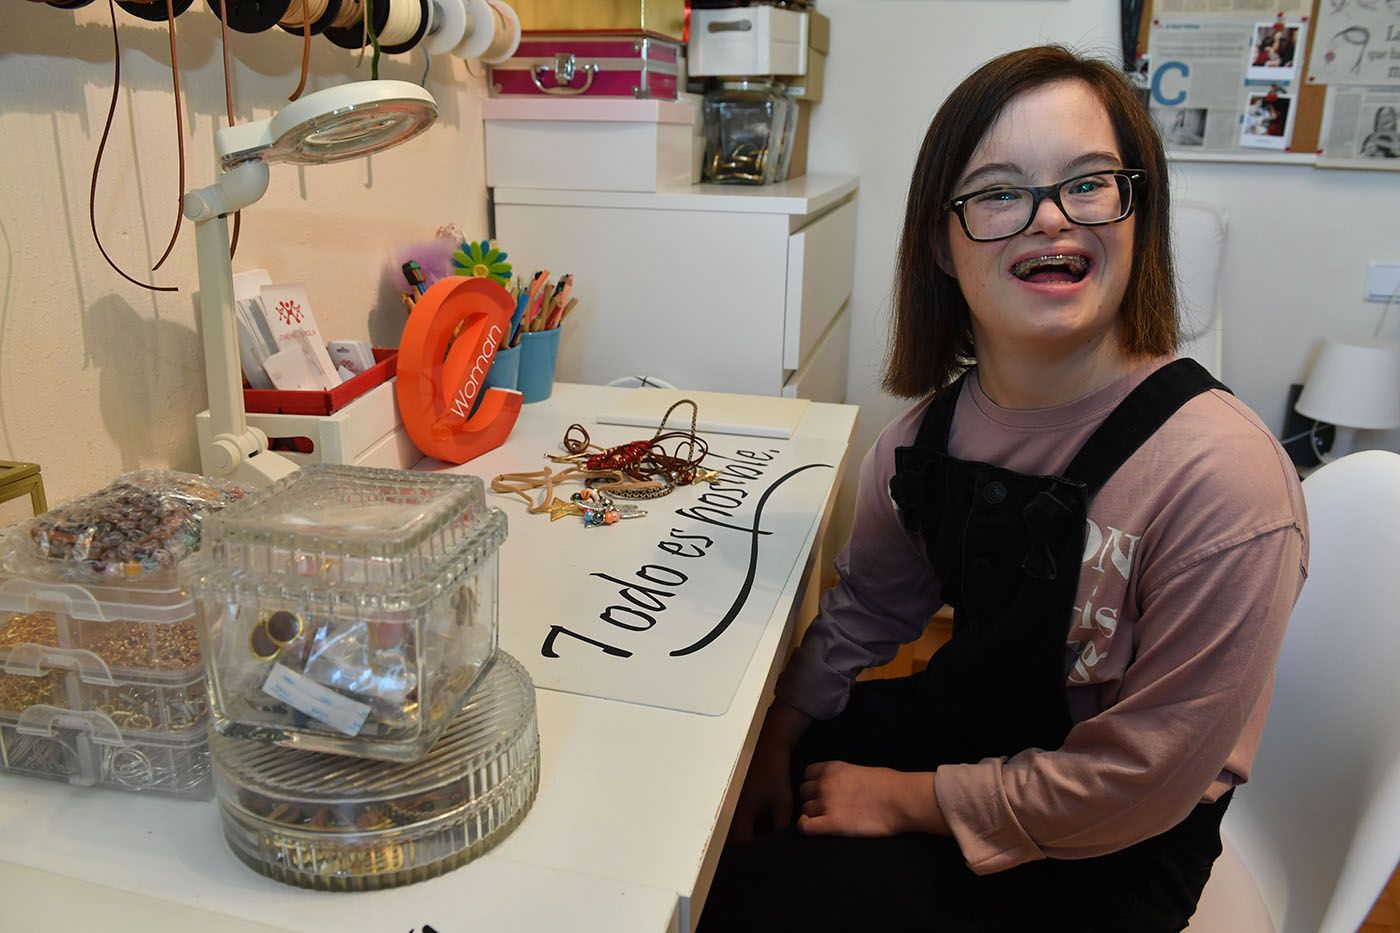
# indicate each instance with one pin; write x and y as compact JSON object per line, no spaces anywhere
{"x":323,"y":401}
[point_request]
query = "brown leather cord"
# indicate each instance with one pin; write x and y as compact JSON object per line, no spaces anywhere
{"x":305,"y":51}
{"x":228,"y":100}
{"x":179,"y":139}
{"x":102,"y":146}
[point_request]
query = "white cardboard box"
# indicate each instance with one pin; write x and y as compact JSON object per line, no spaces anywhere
{"x":747,"y":41}
{"x":592,"y":145}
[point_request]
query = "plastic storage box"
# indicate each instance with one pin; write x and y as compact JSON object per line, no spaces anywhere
{"x":327,"y":822}
{"x":87,"y":747}
{"x":348,"y":610}
{"x":103,"y":684}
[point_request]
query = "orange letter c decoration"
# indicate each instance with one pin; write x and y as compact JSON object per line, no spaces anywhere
{"x":438,"y":386}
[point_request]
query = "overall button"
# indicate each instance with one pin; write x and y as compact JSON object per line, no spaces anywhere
{"x":994,"y":492}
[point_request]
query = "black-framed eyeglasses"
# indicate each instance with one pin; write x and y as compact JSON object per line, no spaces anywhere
{"x":1089,"y":200}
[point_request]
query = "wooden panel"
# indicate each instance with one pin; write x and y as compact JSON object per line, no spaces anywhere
{"x":820,"y":272}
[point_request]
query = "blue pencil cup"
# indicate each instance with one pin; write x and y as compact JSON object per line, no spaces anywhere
{"x":538,"y":353}
{"x":505,"y":369}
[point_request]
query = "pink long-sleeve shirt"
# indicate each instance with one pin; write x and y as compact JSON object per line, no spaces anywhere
{"x":1195,"y":553}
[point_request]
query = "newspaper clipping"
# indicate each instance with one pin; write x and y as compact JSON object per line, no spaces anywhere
{"x":1358,"y":43}
{"x":1246,"y":9}
{"x":1224,"y":84}
{"x":1361,"y":128}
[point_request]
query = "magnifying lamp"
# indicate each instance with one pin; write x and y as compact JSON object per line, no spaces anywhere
{"x":332,"y":125}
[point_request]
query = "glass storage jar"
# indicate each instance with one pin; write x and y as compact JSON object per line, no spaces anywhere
{"x":745,"y":127}
{"x":347,"y":610}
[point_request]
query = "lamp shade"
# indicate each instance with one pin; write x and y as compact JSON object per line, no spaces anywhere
{"x":331,"y":125}
{"x":1354,"y":384}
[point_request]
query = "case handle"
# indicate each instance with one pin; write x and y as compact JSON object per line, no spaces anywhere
{"x":565,"y":66}
{"x":734,"y":25}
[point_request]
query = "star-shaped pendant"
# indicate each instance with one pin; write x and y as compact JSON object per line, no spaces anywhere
{"x":562,"y":508}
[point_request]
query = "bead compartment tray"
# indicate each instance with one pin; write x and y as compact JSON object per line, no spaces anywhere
{"x":133,"y":654}
{"x":33,"y":676}
{"x":341,"y":824}
{"x":87,"y":748}
{"x":133,"y":631}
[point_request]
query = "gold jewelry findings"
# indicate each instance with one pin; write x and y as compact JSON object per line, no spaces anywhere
{"x":274,"y":632}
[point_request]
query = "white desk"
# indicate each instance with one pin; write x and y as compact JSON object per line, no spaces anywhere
{"x":633,"y":806}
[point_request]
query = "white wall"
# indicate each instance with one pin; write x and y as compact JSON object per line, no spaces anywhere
{"x":1299,"y":241}
{"x":98,"y":376}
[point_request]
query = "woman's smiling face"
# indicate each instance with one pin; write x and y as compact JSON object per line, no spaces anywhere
{"x":1044,"y":308}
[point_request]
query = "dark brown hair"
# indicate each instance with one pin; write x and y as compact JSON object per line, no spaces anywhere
{"x":931,"y":340}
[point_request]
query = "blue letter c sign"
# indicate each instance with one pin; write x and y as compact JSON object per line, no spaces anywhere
{"x":1157,"y":95}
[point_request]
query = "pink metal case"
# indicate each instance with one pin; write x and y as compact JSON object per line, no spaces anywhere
{"x":570,"y":65}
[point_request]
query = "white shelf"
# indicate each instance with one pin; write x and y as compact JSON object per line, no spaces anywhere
{"x":1263,"y":156}
{"x":809,"y":194}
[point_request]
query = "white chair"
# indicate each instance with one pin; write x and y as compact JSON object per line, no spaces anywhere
{"x":1198,"y":248}
{"x":1312,"y":838}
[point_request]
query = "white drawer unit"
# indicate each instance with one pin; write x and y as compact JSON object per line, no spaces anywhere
{"x":709,"y":287}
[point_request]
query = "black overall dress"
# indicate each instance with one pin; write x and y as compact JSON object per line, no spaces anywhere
{"x":1007,"y":549}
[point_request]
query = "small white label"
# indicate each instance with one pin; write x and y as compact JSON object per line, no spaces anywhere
{"x":320,"y":703}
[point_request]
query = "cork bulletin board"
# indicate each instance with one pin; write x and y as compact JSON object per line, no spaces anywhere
{"x":1200,"y":55}
{"x":1315,"y":81}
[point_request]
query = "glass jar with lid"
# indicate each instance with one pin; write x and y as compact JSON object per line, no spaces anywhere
{"x":745,"y":126}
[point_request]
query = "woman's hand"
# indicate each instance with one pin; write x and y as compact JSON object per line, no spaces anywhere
{"x":766,"y":799}
{"x":842,"y":799}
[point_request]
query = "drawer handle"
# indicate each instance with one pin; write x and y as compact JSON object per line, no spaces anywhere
{"x":564,"y":68}
{"x":737,"y":25}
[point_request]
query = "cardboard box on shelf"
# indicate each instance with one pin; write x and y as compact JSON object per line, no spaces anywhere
{"x":809,"y":86}
{"x":797,"y":167}
{"x":658,"y":17}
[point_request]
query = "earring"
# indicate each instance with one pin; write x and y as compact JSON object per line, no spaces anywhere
{"x":273,"y":633}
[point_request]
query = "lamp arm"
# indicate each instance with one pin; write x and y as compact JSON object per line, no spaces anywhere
{"x":233,"y":448}
{"x":237,"y":188}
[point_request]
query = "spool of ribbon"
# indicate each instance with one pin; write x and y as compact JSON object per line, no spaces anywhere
{"x":447,"y":26}
{"x":349,"y":14}
{"x":494,"y":33}
{"x":249,"y":15}
{"x":151,"y":10}
{"x":405,"y":25}
{"x":319,"y":13}
{"x":348,"y":29}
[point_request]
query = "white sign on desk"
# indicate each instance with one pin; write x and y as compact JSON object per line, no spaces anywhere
{"x":666,"y":610}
